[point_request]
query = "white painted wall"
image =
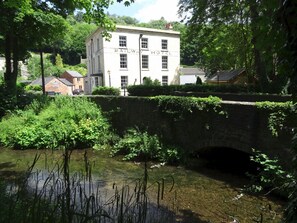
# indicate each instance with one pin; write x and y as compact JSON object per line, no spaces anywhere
{"x":109,"y":55}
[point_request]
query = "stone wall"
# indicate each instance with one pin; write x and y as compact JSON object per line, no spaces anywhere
{"x":243,"y":127}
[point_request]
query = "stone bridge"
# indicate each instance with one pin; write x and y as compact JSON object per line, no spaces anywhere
{"x":245,"y":126}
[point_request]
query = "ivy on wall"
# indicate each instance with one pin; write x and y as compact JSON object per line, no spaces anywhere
{"x":179,"y":107}
{"x":279,"y":114}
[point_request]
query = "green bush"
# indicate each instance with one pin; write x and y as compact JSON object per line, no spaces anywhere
{"x":106,"y":91}
{"x":33,"y":88}
{"x":149,"y":82}
{"x":140,"y":145}
{"x":154,"y":90}
{"x":63,"y":121}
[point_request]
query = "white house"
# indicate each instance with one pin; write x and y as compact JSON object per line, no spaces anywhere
{"x":131,"y":54}
{"x":188,"y":75}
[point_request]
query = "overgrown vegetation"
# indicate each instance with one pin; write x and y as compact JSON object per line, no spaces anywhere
{"x":106,"y":91}
{"x":179,"y":107}
{"x":153,"y":90}
{"x":281,"y":117}
{"x":143,"y":146}
{"x":279,"y":114}
{"x":74,"y":122}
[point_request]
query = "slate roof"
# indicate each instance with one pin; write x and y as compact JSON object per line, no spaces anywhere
{"x":48,"y":79}
{"x":191,"y":71}
{"x":73,"y":73}
{"x":66,"y":82}
{"x":226,"y":75}
{"x":39,"y":81}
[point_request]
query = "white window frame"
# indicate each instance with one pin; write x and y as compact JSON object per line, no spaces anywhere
{"x":123,"y":61}
{"x":124,"y":81}
{"x":164,"y":62}
{"x":98,"y":44}
{"x":123,"y":41}
{"x":164,"y":80}
{"x":99,"y":64}
{"x":164,"y":44}
{"x":145,"y":61}
{"x":144,"y":43}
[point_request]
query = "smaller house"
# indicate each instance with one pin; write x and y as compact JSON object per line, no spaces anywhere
{"x":237,"y":76}
{"x":188,"y":75}
{"x":55,"y":85}
{"x":75,"y":78}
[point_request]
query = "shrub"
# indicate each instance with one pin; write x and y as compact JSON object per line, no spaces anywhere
{"x":149,"y":82}
{"x":140,"y":145}
{"x":63,"y":121}
{"x":33,"y":88}
{"x":153,"y":90}
{"x":106,"y":91}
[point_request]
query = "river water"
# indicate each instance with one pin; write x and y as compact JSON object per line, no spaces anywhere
{"x":199,"y":194}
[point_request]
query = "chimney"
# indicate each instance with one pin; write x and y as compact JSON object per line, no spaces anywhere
{"x":168,"y":26}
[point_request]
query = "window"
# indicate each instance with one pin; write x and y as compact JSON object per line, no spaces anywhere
{"x":164,"y":44}
{"x":89,"y":51}
{"x":78,"y":79}
{"x":164,"y":80}
{"x":164,"y":62}
{"x":123,"y":41}
{"x":145,"y":61}
{"x":124,"y":82}
{"x":123,"y":61}
{"x":99,"y":63}
{"x":144,"y":43}
{"x":96,"y":81}
{"x":98,"y":44}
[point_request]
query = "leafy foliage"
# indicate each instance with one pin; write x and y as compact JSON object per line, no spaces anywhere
{"x":153,"y":90}
{"x":224,"y":35}
{"x":64,"y":121}
{"x":179,"y":107}
{"x":106,"y":91}
{"x":271,"y":175}
{"x":140,"y":145}
{"x":147,"y":81}
{"x":279,"y":114}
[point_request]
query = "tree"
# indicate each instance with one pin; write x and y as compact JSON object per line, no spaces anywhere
{"x":27,"y":24}
{"x":59,"y":61}
{"x":245,"y":29}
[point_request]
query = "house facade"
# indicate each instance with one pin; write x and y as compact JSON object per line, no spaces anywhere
{"x":55,"y":85}
{"x":75,"y":78}
{"x":131,"y":54}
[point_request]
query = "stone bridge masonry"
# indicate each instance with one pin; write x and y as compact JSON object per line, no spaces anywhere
{"x":245,"y":126}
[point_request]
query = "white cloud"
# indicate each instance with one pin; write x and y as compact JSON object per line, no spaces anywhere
{"x":154,"y":10}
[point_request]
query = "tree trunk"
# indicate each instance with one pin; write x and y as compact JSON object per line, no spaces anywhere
{"x":11,"y":54}
{"x":42,"y":72}
{"x":7,"y":73}
{"x":260,"y":67}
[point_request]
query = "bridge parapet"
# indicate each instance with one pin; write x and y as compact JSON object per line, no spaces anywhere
{"x":242,"y":126}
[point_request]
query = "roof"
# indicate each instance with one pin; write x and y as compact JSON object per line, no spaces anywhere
{"x":64,"y":81}
{"x":48,"y":79}
{"x":39,"y":81}
{"x":73,"y":73}
{"x":191,"y":71}
{"x":226,"y":75}
{"x":136,"y":29}
{"x":132,"y":28}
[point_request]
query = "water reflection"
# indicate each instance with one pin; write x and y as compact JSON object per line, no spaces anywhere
{"x":199,"y":195}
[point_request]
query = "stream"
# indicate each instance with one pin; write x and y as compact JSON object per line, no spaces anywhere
{"x":197,"y":193}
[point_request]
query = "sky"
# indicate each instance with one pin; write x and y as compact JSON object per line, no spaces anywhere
{"x":146,"y":10}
